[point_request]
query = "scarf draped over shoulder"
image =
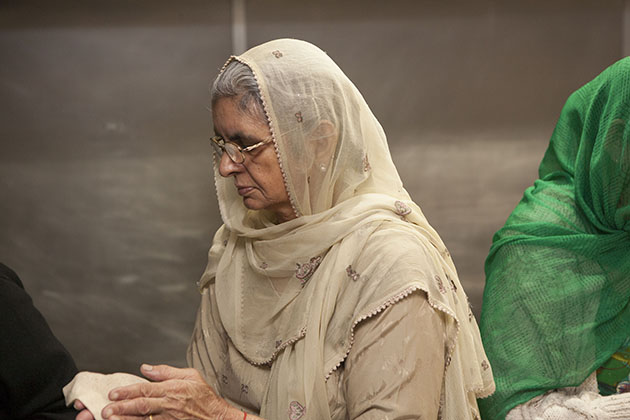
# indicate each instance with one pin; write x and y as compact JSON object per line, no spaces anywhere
{"x":558,"y":273}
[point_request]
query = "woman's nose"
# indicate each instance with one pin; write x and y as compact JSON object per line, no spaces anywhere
{"x":227,"y":166}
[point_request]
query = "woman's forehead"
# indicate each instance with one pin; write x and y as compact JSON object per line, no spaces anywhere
{"x":230,"y":120}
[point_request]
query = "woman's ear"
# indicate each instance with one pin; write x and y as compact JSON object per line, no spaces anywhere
{"x":324,"y":139}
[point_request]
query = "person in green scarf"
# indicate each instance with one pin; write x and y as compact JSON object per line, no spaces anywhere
{"x":555,"y":309}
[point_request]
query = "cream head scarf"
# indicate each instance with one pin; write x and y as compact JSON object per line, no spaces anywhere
{"x":338,"y":272}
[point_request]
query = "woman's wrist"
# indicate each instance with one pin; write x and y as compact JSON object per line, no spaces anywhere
{"x":236,"y":414}
{"x":233,"y":413}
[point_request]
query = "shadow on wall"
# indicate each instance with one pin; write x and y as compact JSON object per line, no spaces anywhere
{"x":109,"y":207}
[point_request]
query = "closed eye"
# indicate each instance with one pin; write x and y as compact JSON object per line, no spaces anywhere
{"x":241,"y":140}
{"x":237,"y":140}
{"x":244,"y":143}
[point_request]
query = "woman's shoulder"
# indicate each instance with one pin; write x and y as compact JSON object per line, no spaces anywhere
{"x":8,"y":276}
{"x":393,"y":262}
{"x":395,"y":241}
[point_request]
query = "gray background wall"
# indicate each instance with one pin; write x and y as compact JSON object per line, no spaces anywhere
{"x":108,"y":207}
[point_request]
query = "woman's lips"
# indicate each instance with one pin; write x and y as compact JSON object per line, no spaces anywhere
{"x":244,"y":190}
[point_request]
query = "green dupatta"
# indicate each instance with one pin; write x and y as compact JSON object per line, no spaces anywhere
{"x":555,"y":305}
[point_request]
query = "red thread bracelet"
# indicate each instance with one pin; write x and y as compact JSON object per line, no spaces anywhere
{"x":244,"y":415}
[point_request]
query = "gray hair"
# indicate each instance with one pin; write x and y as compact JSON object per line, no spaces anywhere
{"x":237,"y":79}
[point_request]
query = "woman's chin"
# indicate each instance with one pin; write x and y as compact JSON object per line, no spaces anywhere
{"x":252,"y":203}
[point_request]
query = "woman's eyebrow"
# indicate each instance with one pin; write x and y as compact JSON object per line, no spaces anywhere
{"x":242,"y":138}
{"x":238,"y":137}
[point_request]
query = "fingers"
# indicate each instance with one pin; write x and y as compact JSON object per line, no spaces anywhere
{"x":176,"y":393}
{"x":165,"y":372}
{"x":147,"y":389}
{"x":153,"y":417}
{"x":84,"y":415}
{"x":139,"y":407}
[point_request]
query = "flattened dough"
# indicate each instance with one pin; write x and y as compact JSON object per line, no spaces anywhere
{"x":92,"y":388}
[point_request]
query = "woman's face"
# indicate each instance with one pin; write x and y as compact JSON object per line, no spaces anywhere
{"x":259,"y":178}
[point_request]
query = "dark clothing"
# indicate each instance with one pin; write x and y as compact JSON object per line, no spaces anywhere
{"x":34,"y":365}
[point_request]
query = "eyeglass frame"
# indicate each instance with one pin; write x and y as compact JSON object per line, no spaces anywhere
{"x":221,"y":142}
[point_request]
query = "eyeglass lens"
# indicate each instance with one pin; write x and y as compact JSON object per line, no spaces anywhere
{"x":231,"y":150}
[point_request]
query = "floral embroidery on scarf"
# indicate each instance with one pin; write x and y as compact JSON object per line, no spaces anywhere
{"x":277,"y":53}
{"x":264,"y":265}
{"x":306,"y":270}
{"x":244,"y":389}
{"x":452,"y":283}
{"x":298,"y":116}
{"x":470,"y":312}
{"x":224,"y":379}
{"x":352,"y":274}
{"x":401,"y":208}
{"x":485,"y":365}
{"x":278,"y":343}
{"x":366,"y":164}
{"x":296,"y":410}
{"x":225,"y":242}
{"x":440,"y":284}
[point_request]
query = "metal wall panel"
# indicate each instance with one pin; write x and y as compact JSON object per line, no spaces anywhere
{"x":108,"y":205}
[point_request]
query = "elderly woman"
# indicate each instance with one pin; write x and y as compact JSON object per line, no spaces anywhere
{"x":555,"y":318}
{"x":327,"y":294}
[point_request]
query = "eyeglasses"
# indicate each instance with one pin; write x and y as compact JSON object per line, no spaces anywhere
{"x":233,"y":150}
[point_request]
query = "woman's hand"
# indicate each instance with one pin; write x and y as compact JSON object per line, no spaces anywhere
{"x":174,"y":394}
{"x":84,"y":413}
